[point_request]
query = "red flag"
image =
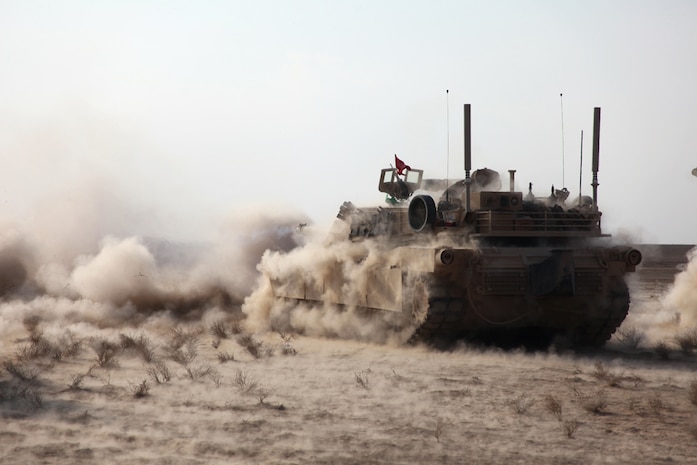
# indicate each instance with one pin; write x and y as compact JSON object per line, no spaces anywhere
{"x":401,"y":166}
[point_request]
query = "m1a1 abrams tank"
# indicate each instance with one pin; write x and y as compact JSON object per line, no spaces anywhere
{"x":478,"y":263}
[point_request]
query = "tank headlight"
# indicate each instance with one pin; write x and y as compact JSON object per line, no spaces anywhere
{"x":447,"y":256}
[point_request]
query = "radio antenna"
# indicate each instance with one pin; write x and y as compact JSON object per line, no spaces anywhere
{"x":563,"y":170}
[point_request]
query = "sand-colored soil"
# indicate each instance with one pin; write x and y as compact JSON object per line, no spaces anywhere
{"x":312,"y":400}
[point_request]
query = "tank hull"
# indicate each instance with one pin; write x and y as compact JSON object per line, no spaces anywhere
{"x":502,"y":295}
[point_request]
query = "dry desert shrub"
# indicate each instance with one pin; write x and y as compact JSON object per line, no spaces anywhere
{"x":160,"y":372}
{"x":653,"y":405}
{"x":236,"y":327}
{"x":595,"y":403}
{"x":570,"y":426}
{"x":217,"y":378}
{"x":140,"y":390}
{"x":197,"y":372}
{"x":186,"y":353}
{"x":440,"y":428}
{"x":255,"y":348}
{"x":219,"y":329}
{"x":262,"y":394}
{"x":224,"y":357}
{"x":634,"y":379}
{"x":76,"y":383}
{"x":21,"y":391}
{"x":658,"y":406}
{"x":604,"y":374}
{"x":32,"y":395}
{"x":106,"y":352}
{"x":637,"y":406}
{"x":662,"y":349}
{"x":69,"y":345}
{"x":140,"y":344}
{"x":20,"y":372}
{"x":180,"y":336}
{"x":398,"y":378}
{"x":553,"y":405}
{"x":286,"y":348}
{"x":521,"y":404}
{"x":38,"y":347}
{"x":630,"y":337}
{"x":361,"y":378}
{"x":245,"y":383}
{"x":687,"y":340}
{"x":601,"y":372}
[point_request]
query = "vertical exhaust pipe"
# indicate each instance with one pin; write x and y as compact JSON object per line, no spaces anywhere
{"x":596,"y":156}
{"x":511,"y":180}
{"x":468,"y":156}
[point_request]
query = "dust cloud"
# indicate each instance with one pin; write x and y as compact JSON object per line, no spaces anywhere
{"x":124,"y":351}
{"x":73,"y":281}
{"x":663,"y":309}
{"x":681,"y":298}
{"x":338,"y":278}
{"x":315,"y":263}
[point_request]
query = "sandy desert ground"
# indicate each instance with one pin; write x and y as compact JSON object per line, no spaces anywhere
{"x":168,"y":390}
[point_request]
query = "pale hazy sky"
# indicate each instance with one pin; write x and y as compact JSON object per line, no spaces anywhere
{"x":182,"y":112}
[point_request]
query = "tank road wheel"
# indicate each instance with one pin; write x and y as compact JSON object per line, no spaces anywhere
{"x":422,"y":212}
{"x":441,"y":325}
{"x":616,"y":307}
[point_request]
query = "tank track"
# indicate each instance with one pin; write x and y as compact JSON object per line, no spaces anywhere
{"x":600,"y":331}
{"x":442,"y":324}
